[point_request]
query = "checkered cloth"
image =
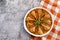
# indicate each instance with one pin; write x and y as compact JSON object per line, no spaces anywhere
{"x":54,"y":7}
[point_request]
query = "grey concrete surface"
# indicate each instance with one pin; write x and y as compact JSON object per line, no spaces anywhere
{"x":12,"y":14}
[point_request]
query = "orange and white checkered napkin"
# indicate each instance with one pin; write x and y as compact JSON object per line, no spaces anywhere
{"x":54,"y":7}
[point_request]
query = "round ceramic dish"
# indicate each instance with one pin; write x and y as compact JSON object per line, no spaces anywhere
{"x":35,"y":34}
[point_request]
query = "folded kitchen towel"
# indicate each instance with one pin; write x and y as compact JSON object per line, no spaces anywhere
{"x":54,"y":7}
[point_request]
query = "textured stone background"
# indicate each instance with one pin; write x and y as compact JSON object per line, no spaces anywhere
{"x":12,"y":13}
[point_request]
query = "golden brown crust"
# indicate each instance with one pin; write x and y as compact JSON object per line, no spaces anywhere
{"x":41,"y":16}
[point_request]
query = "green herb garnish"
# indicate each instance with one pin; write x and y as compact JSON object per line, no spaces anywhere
{"x":37,"y":22}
